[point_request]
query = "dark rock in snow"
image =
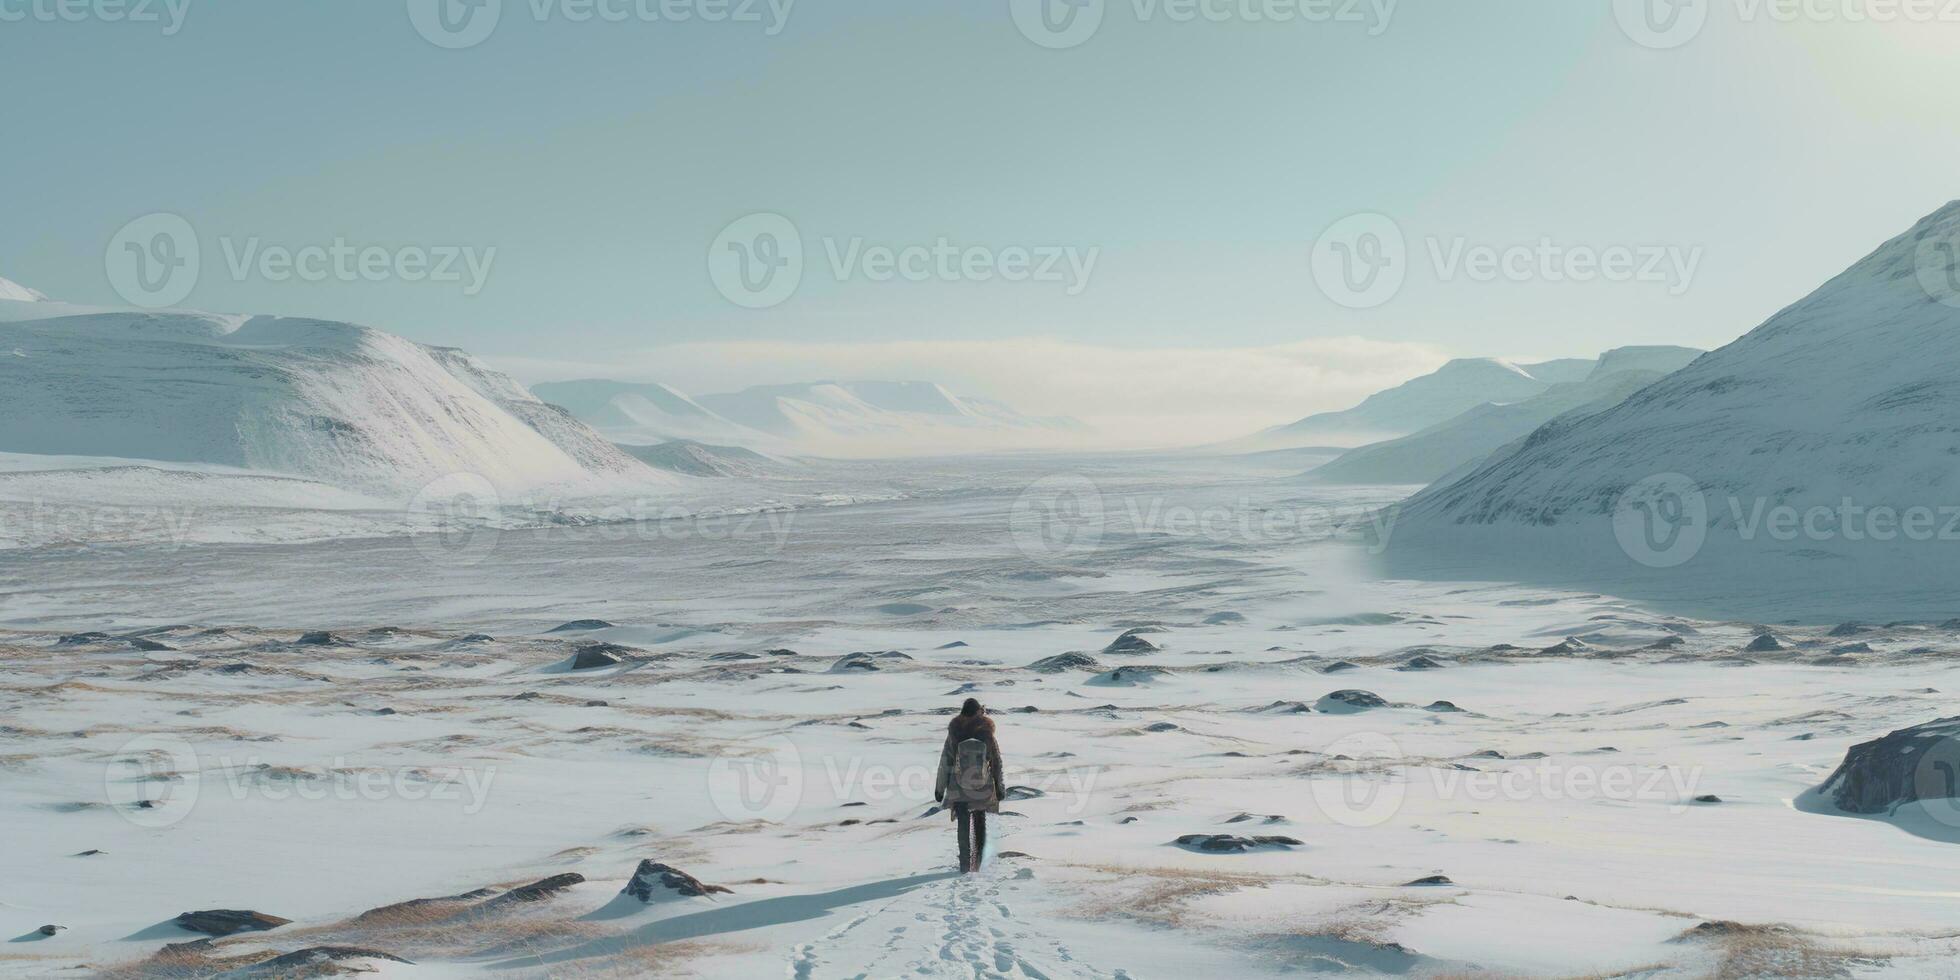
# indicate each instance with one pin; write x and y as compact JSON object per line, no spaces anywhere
{"x":955,"y":645}
{"x":581,"y":625}
{"x":1860,"y":647}
{"x":1910,"y":764}
{"x":1285,"y":708}
{"x":1708,"y":798}
{"x":653,"y":880}
{"x":1431,"y":880}
{"x":224,"y":922}
{"x":82,"y":639}
{"x":1065,"y":661}
{"x":50,"y":930}
{"x":316,"y":960}
{"x":1764,"y":643}
{"x":148,"y":645}
{"x":864,"y":661}
{"x":536,"y":891}
{"x":1848,"y":629}
{"x":1441,"y":707}
{"x":1338,"y":666}
{"x":1160,"y":726}
{"x":317,"y":638}
{"x":1420,"y":662}
{"x":1666,"y":643}
{"x":1341,"y":702}
{"x":1130,"y":643}
{"x":1232,"y":843}
{"x":595,"y":655}
{"x":1566,"y":647}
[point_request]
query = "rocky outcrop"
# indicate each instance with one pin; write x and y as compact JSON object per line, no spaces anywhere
{"x":1349,"y":701}
{"x":1065,"y":661}
{"x":653,"y":881}
{"x":1131,"y":643}
{"x":536,"y":891}
{"x":1232,"y":843}
{"x":581,"y":625}
{"x":224,"y":922}
{"x":593,"y":656}
{"x":316,"y":961}
{"x":1917,"y":763}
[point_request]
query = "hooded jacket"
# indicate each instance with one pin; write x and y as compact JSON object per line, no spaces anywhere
{"x":986,"y":798}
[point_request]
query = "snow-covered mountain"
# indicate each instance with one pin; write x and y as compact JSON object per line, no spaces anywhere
{"x":1440,"y":449}
{"x":335,"y":402}
{"x":15,"y":292}
{"x":644,"y":413}
{"x":858,"y":418}
{"x":1412,"y":406}
{"x":1843,"y":406}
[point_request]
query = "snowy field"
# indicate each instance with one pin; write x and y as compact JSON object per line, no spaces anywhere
{"x":1547,"y":783}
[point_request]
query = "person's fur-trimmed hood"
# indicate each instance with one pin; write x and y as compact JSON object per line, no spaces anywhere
{"x":964,"y":727}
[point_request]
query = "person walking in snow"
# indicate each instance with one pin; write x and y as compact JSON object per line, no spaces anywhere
{"x":970,"y":782}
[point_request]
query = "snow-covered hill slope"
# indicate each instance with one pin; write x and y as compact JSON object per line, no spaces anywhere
{"x":15,"y":292}
{"x":860,"y":418}
{"x":1432,"y":453}
{"x":700,"y":459}
{"x":1439,"y":396}
{"x":335,"y":402}
{"x":647,"y":412}
{"x":1784,"y":465}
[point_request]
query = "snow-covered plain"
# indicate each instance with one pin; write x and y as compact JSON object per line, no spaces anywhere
{"x":436,"y":741}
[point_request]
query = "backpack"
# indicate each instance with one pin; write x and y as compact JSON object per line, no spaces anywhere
{"x":971,"y":771}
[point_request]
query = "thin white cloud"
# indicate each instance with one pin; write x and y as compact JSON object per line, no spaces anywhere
{"x":1129,"y":397}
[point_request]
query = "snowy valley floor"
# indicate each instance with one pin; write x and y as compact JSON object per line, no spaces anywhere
{"x":430,"y":739}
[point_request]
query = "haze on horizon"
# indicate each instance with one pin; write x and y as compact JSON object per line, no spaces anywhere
{"x":1172,"y":177}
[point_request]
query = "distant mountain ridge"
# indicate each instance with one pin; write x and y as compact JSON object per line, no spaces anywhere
{"x":1434,"y":452}
{"x":1456,"y":387}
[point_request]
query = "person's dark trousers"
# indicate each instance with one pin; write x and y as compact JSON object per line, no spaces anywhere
{"x":973,"y":835}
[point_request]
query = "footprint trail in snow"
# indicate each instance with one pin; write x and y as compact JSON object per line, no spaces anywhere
{"x":960,"y":927}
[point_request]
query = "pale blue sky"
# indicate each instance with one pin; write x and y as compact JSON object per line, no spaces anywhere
{"x":1201,"y":159}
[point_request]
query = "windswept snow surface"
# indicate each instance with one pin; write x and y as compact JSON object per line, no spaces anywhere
{"x":431,"y":741}
{"x":1810,"y":469}
{"x":330,"y":402}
